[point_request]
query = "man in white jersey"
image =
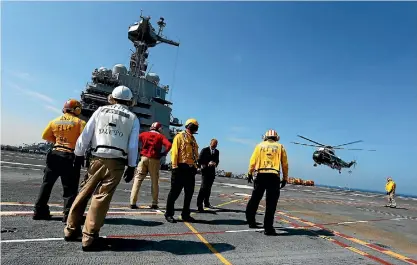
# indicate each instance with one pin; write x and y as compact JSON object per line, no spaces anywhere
{"x":113,"y":133}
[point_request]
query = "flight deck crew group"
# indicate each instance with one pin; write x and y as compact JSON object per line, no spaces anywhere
{"x":112,"y":133}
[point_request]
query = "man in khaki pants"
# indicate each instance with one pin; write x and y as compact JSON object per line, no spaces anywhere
{"x":113,"y":132}
{"x":152,"y":143}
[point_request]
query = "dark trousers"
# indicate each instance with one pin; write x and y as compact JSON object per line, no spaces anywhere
{"x":58,"y":164}
{"x":269,"y":182}
{"x":208,"y":175}
{"x":181,"y":177}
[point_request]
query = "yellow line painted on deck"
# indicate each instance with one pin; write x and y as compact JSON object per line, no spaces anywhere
{"x":208,"y":245}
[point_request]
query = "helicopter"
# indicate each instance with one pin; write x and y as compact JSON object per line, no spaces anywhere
{"x":325,"y":155}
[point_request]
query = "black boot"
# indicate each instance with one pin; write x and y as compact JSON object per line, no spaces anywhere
{"x":170,"y":219}
{"x":41,"y":215}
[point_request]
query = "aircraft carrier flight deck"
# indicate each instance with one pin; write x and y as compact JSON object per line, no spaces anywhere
{"x":315,"y":225}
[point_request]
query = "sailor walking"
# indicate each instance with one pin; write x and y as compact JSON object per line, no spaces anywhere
{"x":63,"y":132}
{"x":267,"y":159}
{"x":113,"y":132}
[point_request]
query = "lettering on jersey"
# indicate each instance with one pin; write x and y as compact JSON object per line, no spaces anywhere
{"x":117,"y":112}
{"x":62,"y":139}
{"x":270,"y":152}
{"x":64,"y":122}
{"x":62,"y":128}
{"x":110,"y":132}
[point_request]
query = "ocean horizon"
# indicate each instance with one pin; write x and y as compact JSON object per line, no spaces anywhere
{"x":365,"y":190}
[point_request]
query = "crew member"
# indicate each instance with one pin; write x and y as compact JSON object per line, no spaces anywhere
{"x":208,"y":160}
{"x":152,"y":143}
{"x":390,"y":187}
{"x":267,"y":159}
{"x":113,"y":133}
{"x":184,"y":155}
{"x":63,"y":132}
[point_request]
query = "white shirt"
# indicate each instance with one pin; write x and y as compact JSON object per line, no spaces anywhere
{"x":87,"y":135}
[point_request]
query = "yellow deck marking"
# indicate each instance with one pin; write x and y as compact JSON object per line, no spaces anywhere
{"x":208,"y":245}
{"x":357,"y":251}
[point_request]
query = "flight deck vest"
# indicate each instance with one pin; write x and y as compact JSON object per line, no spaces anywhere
{"x":269,"y":157}
{"x":114,"y":125}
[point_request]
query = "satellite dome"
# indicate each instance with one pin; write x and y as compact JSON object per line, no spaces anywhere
{"x":102,"y":69}
{"x":152,"y":77}
{"x":119,"y":69}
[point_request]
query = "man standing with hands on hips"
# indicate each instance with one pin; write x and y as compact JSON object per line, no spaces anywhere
{"x":209,"y":160}
{"x":152,"y":143}
{"x":113,"y":133}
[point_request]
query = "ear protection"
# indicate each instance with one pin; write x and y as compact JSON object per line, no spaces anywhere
{"x":192,"y":127}
{"x":77,"y":111}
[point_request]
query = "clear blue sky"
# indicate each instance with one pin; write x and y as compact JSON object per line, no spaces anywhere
{"x":333,"y":72}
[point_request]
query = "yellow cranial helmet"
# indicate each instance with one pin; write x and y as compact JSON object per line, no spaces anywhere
{"x":192,"y":125}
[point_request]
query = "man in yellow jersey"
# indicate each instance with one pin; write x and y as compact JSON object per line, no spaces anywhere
{"x":390,"y":187}
{"x":112,"y":131}
{"x":267,"y":159}
{"x":184,"y":155}
{"x":63,"y":132}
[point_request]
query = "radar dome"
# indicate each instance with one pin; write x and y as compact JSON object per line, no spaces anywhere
{"x":152,"y":77}
{"x":119,"y":69}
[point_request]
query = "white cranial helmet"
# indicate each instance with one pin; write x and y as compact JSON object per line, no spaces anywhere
{"x":122,"y":93}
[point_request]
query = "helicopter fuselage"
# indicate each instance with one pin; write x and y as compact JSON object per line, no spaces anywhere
{"x":328,"y":158}
{"x":321,"y":157}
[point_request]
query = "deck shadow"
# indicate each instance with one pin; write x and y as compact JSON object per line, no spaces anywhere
{"x":304,"y":232}
{"x":176,"y":247}
{"x":219,"y":221}
{"x":128,"y":221}
{"x":225,"y":210}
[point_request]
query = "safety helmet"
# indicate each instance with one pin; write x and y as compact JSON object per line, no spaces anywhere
{"x":271,"y":134}
{"x":192,"y":125}
{"x":389,"y":178}
{"x":73,"y":106}
{"x":156,"y":126}
{"x":122,"y":93}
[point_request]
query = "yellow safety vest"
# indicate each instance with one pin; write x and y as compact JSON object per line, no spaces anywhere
{"x":268,"y":157}
{"x":64,"y":132}
{"x":390,"y":186}
{"x":184,"y":150}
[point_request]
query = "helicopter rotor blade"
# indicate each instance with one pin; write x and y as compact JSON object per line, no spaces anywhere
{"x":311,"y":140}
{"x":306,"y":144}
{"x":356,"y":149}
{"x":348,"y":143}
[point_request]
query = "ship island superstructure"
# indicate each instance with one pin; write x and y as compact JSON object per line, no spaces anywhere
{"x":150,"y":96}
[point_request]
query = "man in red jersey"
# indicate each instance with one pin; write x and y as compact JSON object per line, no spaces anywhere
{"x":152,"y":143}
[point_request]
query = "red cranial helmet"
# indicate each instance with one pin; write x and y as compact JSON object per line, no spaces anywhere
{"x":72,"y":106}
